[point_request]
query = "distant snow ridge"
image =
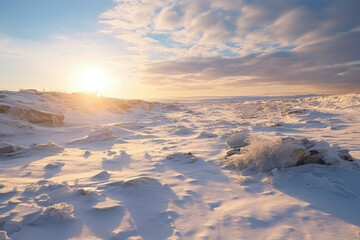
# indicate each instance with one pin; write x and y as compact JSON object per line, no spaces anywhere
{"x":52,"y":108}
{"x":265,"y":155}
{"x":32,"y":115}
{"x":342,"y":100}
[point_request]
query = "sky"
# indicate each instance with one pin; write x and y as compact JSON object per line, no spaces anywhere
{"x":180,"y":48}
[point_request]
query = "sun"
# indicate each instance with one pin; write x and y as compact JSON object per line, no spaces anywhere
{"x":93,"y":80}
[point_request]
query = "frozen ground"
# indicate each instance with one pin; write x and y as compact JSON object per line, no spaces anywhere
{"x":75,"y":167}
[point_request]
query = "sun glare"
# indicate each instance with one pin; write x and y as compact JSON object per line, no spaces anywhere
{"x":93,"y":80}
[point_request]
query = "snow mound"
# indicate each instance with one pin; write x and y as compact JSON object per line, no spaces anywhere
{"x":54,"y":165}
{"x":182,"y":130}
{"x":49,"y":147}
{"x":266,"y":155}
{"x":101,"y":175}
{"x":140,"y":181}
{"x":58,"y":211}
{"x":8,"y":149}
{"x":90,"y":193}
{"x":45,"y":186}
{"x":206,"y":134}
{"x":183,"y":157}
{"x":134,"y":182}
{"x":11,"y":149}
{"x":95,"y":135}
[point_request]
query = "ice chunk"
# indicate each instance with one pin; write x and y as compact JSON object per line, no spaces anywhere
{"x":58,"y":211}
{"x":86,"y":154}
{"x":237,"y":140}
{"x":7,"y":148}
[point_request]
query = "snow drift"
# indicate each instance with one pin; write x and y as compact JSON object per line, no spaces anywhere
{"x":115,"y":172}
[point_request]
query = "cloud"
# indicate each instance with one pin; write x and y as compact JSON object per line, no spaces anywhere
{"x":168,"y":19}
{"x":333,"y":63}
{"x":240,"y":42}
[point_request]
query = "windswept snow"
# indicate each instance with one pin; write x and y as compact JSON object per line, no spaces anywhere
{"x":232,"y":168}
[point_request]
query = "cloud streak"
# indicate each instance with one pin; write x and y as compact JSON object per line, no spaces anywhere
{"x":332,"y":62}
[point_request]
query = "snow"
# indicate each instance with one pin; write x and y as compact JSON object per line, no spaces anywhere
{"x":107,"y":204}
{"x":265,"y":155}
{"x":230,"y":168}
{"x":58,"y":211}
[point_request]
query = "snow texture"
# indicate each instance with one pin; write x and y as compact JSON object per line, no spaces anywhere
{"x":77,"y":166}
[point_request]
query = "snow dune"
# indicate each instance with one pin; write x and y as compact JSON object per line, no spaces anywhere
{"x":81,"y":167}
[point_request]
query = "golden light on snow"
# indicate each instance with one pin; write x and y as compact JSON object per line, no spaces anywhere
{"x":94,"y":80}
